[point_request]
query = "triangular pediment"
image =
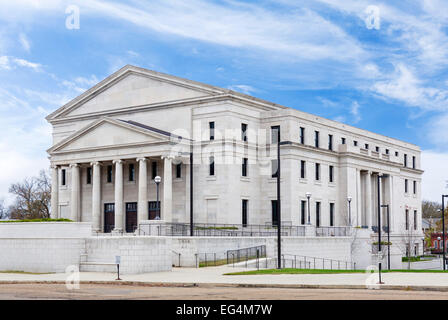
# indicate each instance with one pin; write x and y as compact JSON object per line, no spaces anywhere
{"x":108,"y":133}
{"x":131,"y":87}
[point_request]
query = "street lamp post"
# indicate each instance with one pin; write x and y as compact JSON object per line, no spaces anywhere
{"x":443,"y":230}
{"x":388,"y":235}
{"x":308,"y":196}
{"x":157,"y":180}
{"x":380,"y":175}
{"x":349,"y":199}
{"x":279,"y":219}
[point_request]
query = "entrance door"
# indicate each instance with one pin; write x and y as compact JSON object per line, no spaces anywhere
{"x":154,"y":210}
{"x":131,"y":216}
{"x":109,"y":217}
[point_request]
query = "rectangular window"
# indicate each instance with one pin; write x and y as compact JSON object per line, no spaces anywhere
{"x":63,"y":177}
{"x":179,"y":170}
{"x":407,"y":219}
{"x":331,"y":169}
{"x":396,"y":153}
{"x":274,"y":168}
{"x":387,"y":151}
{"x":211,"y":126}
{"x":406,"y":185}
{"x":109,"y":174}
{"x":244,"y":167}
{"x":355,"y":143}
{"x":317,"y":214}
{"x":343,"y":140}
{"x":413,"y":162}
{"x":212,"y":166}
{"x":330,"y":142}
{"x":302,"y":135}
{"x":131,"y":172}
{"x":302,"y":211}
{"x":366,"y":146}
{"x":316,"y":139}
{"x":89,"y":175}
{"x":244,"y":212}
{"x":153,"y":170}
{"x":415,"y":219}
{"x":275,"y":134}
{"x":331,"y":214}
{"x":415,"y":187}
{"x":317,"y":168}
{"x":244,"y":131}
{"x":302,"y":169}
{"x":377,"y":149}
{"x":405,"y":160}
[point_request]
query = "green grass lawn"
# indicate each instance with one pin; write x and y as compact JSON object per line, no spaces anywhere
{"x":321,"y":271}
{"x":22,"y":272}
{"x":37,"y":220}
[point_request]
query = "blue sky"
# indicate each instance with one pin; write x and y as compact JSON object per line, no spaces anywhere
{"x":331,"y":58}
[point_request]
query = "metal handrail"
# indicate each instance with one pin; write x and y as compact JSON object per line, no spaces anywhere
{"x":331,"y":261}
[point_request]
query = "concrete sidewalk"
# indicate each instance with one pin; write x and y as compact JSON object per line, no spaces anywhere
{"x":213,"y":276}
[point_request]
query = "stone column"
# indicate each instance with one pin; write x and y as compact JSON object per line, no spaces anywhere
{"x":142,"y":205}
{"x":75,"y":193}
{"x":369,"y":198}
{"x":358,"y":210}
{"x":167,"y":189}
{"x":96,"y":196}
{"x":54,"y":192}
{"x":119,"y":206}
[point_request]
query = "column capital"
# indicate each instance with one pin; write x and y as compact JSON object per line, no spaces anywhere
{"x":73,"y":165}
{"x":141,"y":159}
{"x":95,"y":163}
{"x":117,"y":161}
{"x":167,"y":156}
{"x":54,"y":166}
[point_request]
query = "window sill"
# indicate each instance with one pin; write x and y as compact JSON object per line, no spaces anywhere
{"x":332,"y":184}
{"x":246,"y":179}
{"x":210,"y":178}
{"x":303,"y":180}
{"x":178,"y":179}
{"x":319,"y":183}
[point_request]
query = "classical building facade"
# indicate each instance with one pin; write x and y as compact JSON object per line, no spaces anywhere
{"x":113,"y":140}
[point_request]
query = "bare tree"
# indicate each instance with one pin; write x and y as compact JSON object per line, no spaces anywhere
{"x":3,"y":211}
{"x":408,"y":239}
{"x":33,"y":197}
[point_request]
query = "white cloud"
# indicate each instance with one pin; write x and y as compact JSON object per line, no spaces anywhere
{"x":435,"y":177}
{"x":9,"y":63}
{"x":243,"y":88}
{"x":24,"y":42}
{"x":302,"y":34}
{"x":4,"y":63}
{"x":354,"y":110}
{"x":27,"y":64}
{"x":405,"y":86}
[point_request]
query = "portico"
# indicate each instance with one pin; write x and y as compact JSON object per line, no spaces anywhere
{"x":111,"y":188}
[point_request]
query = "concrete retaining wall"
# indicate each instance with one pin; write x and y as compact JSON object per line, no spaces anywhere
{"x":138,"y":254}
{"x":20,"y":230}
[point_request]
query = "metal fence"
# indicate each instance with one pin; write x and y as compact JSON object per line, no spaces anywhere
{"x":332,"y":231}
{"x":306,"y":262}
{"x":224,"y":230}
{"x":245,"y":254}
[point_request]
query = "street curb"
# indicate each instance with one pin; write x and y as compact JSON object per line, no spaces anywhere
{"x":233,"y":285}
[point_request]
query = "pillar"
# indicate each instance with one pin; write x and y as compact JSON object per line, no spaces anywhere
{"x":119,"y":206}
{"x":369,"y":198}
{"x":167,"y":189}
{"x":358,"y":209}
{"x":54,"y":192}
{"x":96,"y":196}
{"x":75,"y":192}
{"x":142,"y":205}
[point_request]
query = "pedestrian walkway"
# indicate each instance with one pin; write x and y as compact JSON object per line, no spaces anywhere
{"x":214,"y":275}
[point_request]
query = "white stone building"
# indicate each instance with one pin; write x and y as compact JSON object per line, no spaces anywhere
{"x":110,"y":142}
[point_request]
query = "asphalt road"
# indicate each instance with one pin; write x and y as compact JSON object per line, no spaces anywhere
{"x":107,"y":291}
